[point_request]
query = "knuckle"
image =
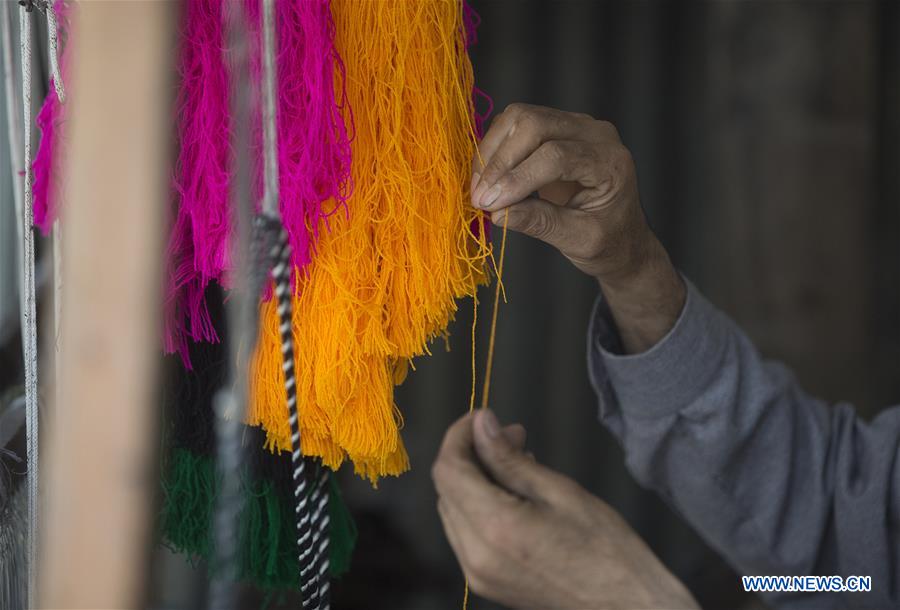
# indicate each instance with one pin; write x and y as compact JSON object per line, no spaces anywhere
{"x":513,"y":108}
{"x":564,"y":491}
{"x":555,"y":151}
{"x":607,"y":128}
{"x":511,"y":114}
{"x":495,"y":168}
{"x":527,"y":122}
{"x":621,"y":159}
{"x":438,"y":471}
{"x":482,"y":565}
{"x":442,"y":471}
{"x":540,"y":225}
{"x":510,"y":461}
{"x":515,"y":178}
{"x":620,"y":167}
{"x":591,"y":243}
{"x":502,"y":531}
{"x":594,"y":243}
{"x":476,"y":584}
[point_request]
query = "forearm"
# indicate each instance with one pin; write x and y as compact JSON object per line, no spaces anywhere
{"x":776,"y":480}
{"x":646,"y":299}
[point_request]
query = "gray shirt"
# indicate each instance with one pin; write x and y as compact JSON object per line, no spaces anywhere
{"x":774,"y":479}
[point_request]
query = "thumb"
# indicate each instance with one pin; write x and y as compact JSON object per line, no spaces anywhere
{"x":506,"y":463}
{"x":539,"y":219}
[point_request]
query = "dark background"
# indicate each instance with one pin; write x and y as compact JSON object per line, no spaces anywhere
{"x":766,"y":137}
{"x":767,"y":140}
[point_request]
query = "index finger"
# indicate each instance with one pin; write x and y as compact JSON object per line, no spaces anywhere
{"x":559,"y":125}
{"x":459,"y":478}
{"x":519,"y":132}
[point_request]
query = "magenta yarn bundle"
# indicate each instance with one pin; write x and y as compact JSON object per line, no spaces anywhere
{"x":313,"y":150}
{"x":50,"y":121}
{"x":313,"y":144}
{"x":313,"y":147}
{"x":197,"y":249}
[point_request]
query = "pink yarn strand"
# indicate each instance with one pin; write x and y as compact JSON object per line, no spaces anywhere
{"x":313,"y":147}
{"x":197,"y":248}
{"x":313,"y":150}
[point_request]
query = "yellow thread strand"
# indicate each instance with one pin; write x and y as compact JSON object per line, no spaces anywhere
{"x":474,"y":372}
{"x":490,"y":355}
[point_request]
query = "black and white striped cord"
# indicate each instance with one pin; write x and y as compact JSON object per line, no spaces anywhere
{"x":321,"y":537}
{"x":280,"y":260}
{"x":312,"y":534}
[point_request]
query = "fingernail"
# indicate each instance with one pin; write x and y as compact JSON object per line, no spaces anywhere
{"x":491,"y":196}
{"x":479,"y":192}
{"x":491,"y":425}
{"x":475,"y":178}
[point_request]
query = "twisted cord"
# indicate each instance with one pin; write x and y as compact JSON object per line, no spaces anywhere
{"x":322,"y":539}
{"x":279,"y":255}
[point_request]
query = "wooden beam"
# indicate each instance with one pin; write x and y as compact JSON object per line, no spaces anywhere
{"x":99,"y":492}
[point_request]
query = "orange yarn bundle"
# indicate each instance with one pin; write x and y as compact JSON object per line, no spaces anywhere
{"x":387,"y":270}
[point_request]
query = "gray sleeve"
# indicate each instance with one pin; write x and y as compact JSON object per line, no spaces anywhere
{"x":776,"y":480}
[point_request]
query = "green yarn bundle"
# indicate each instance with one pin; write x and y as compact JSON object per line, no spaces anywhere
{"x":268,"y":555}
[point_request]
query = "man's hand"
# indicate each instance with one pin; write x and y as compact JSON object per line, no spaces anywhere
{"x":587,"y":207}
{"x":530,"y":538}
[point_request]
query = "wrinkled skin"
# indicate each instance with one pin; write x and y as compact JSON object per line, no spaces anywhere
{"x":531,"y":538}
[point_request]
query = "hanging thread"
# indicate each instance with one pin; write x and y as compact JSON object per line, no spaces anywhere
{"x":498,"y":290}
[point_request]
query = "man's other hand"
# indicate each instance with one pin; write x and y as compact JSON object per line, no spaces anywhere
{"x":530,"y":538}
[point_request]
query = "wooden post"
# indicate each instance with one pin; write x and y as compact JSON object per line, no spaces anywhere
{"x":97,"y":507}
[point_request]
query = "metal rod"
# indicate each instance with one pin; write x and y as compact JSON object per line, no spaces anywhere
{"x":270,"y":161}
{"x":242,"y":318}
{"x":29,"y":332}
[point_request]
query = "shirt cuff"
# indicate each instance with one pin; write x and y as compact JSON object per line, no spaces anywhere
{"x":667,"y":377}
